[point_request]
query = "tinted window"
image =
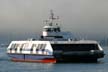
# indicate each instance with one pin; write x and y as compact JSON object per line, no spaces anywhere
{"x":75,"y":47}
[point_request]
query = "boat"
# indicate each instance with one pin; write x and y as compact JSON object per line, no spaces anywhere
{"x":54,"y":46}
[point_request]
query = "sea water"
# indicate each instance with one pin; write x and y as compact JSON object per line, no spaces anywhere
{"x":6,"y":65}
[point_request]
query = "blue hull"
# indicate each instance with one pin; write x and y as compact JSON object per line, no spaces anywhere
{"x":32,"y":57}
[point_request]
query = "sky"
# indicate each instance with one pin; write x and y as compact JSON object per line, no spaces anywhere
{"x":19,"y":18}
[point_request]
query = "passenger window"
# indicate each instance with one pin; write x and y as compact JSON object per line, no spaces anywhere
{"x":14,"y":45}
{"x":34,"y":46}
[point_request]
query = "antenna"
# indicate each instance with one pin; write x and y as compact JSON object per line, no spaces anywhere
{"x":52,"y":15}
{"x":46,"y":21}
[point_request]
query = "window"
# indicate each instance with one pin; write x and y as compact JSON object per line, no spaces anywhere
{"x":34,"y":46}
{"x":14,"y":46}
{"x":24,"y":47}
{"x":58,"y":29}
{"x":55,"y":30}
{"x":47,"y":29}
{"x":75,"y":47}
{"x":39,"y":46}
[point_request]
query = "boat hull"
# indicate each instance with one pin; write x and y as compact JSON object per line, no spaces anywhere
{"x":32,"y":58}
{"x":71,"y":56}
{"x":58,"y":57}
{"x":51,"y":52}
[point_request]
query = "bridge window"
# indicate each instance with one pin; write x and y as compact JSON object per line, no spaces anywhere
{"x":57,"y":29}
{"x":48,"y":29}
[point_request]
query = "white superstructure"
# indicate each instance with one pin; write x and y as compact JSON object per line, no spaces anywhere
{"x":30,"y":47}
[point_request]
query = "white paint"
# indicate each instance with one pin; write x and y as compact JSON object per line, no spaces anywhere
{"x":100,"y":48}
{"x":45,"y":33}
{"x":28,"y":45}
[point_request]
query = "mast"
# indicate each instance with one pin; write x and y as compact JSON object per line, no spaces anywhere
{"x":52,"y":15}
{"x":52,"y":18}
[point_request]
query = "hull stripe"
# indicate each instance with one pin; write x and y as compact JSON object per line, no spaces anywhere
{"x":51,"y":60}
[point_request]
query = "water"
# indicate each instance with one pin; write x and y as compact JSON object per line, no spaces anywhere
{"x":8,"y":66}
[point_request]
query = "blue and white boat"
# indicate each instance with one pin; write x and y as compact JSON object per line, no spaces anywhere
{"x":54,"y":46}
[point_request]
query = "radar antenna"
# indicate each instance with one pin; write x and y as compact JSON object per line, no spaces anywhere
{"x":52,"y":15}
